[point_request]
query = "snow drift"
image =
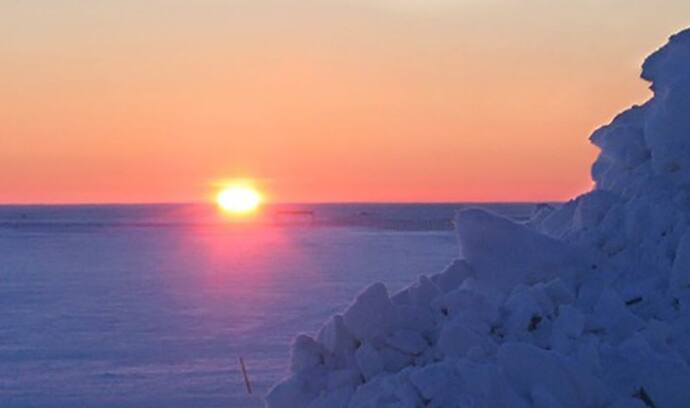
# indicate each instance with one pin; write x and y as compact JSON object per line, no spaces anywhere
{"x":586,"y":305}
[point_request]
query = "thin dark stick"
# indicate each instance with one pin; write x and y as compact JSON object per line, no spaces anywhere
{"x":246,"y":377}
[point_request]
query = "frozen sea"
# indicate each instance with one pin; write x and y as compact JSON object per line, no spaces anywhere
{"x":152,"y":305}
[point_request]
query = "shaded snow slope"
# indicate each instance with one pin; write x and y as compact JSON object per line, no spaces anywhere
{"x":586,"y":305}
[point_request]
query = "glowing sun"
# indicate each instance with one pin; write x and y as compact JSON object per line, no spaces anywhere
{"x":239,"y":199}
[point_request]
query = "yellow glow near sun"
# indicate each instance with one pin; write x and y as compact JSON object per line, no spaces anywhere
{"x":239,"y":199}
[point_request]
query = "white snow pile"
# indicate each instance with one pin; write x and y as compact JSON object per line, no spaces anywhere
{"x":586,"y":305}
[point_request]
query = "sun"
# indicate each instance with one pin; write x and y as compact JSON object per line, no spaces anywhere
{"x":239,"y":200}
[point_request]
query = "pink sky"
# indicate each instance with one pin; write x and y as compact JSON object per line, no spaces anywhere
{"x":409,"y":100}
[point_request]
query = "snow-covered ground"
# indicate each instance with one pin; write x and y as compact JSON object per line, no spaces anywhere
{"x":586,"y":305}
{"x":152,"y":305}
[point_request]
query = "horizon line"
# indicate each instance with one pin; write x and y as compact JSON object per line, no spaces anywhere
{"x":209,"y":203}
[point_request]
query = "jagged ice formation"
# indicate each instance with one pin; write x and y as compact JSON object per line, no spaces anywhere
{"x":586,"y":305}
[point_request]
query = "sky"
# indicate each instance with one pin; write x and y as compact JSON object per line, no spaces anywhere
{"x":117,"y":101}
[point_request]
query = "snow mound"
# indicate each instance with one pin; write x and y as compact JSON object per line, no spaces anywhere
{"x":586,"y":305}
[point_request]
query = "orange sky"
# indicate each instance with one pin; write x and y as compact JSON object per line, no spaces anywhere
{"x":319,"y":100}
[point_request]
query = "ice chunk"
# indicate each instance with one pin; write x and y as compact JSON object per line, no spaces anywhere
{"x":371,"y":394}
{"x":424,"y":292}
{"x":457,"y":340}
{"x":306,"y":353}
{"x":570,"y":321}
{"x":337,"y":340}
{"x":369,"y":361}
{"x":339,"y":398}
{"x":528,"y":368}
{"x":473,"y":309}
{"x":407,"y":341}
{"x":504,"y":254}
{"x":298,"y":390}
{"x":419,"y":319}
{"x":559,"y":292}
{"x":372,"y":314}
{"x":433,"y":379}
{"x":391,"y":391}
{"x":567,"y":329}
{"x":523,"y":312}
{"x":637,"y":370}
{"x":483,"y":385}
{"x":453,"y":276}
{"x":346,"y":378}
{"x":395,"y":360}
{"x":612,"y":318}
